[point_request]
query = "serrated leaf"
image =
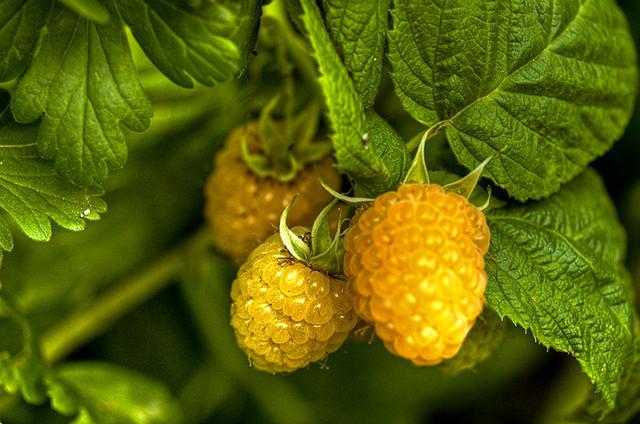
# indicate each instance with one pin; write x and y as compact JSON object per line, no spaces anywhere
{"x":184,"y":43}
{"x":356,"y":156}
{"x":90,"y":9}
{"x":628,"y":399}
{"x":21,"y":367}
{"x":84,"y":85}
{"x":359,"y":29}
{"x":549,"y":84}
{"x":20,"y":25}
{"x":387,"y":143}
{"x":483,"y":339}
{"x":102,"y":393}
{"x":33,"y":194}
{"x":555,"y":268}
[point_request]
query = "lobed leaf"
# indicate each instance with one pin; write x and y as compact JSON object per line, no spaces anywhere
{"x":375,"y":165}
{"x":184,"y":42}
{"x":20,"y":24}
{"x":555,"y":268}
{"x":359,"y":31}
{"x":33,"y":194}
{"x":83,"y":83}
{"x":549,"y":84}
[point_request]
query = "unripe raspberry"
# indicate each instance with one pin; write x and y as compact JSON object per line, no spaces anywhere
{"x":414,"y":259}
{"x":243,"y":209}
{"x":285,"y":314}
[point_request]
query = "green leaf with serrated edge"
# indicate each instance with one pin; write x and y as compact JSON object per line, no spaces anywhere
{"x":21,"y":367}
{"x":20,"y":25}
{"x":359,"y":29}
{"x":483,"y":339}
{"x":555,"y":268}
{"x":102,"y":393}
{"x":183,"y":42}
{"x":628,"y":399}
{"x":548,"y":84}
{"x":84,"y":84}
{"x":355,"y":153}
{"x":382,"y":139}
{"x":33,"y":194}
{"x":90,"y":9}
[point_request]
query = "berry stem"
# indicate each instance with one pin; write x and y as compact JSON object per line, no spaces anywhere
{"x":92,"y":320}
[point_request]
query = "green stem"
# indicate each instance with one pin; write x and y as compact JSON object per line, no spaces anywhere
{"x":296,"y":47}
{"x":89,"y":322}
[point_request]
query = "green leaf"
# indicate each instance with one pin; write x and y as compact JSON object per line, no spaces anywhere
{"x":483,"y":339}
{"x":84,"y":83}
{"x":548,"y":84}
{"x":90,"y":9}
{"x":245,"y":31}
{"x":555,"y":268}
{"x":387,"y":144}
{"x":33,"y":194}
{"x":21,"y":368}
{"x":184,"y":42}
{"x":359,"y":30}
{"x":20,"y":25}
{"x":356,"y":155}
{"x":628,"y":400}
{"x":102,"y":393}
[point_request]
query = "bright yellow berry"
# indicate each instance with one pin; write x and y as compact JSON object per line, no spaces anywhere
{"x":414,"y":259}
{"x":285,"y":314}
{"x":243,"y":209}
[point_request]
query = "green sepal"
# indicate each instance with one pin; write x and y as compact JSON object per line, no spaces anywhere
{"x":296,"y":246}
{"x":324,"y":252}
{"x":465,"y":185}
{"x":418,"y":172}
{"x":343,"y":197}
{"x":327,"y":250}
{"x":286,"y":146}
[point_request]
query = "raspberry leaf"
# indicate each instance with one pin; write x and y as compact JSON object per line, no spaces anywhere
{"x":628,"y":400}
{"x":555,"y":267}
{"x":185,"y":42}
{"x":359,"y":29}
{"x":95,"y":393}
{"x":375,"y":164}
{"x":33,"y":194}
{"x":550,"y":82}
{"x":20,"y":25}
{"x":83,"y":84}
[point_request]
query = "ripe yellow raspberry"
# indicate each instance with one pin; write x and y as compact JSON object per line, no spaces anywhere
{"x":243,"y":209}
{"x":285,"y":314}
{"x":414,"y":259}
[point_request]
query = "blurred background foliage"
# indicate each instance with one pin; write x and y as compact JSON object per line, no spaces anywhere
{"x":182,"y":336}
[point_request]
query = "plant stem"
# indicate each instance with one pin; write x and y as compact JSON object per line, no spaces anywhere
{"x":92,"y":320}
{"x":299,"y":53}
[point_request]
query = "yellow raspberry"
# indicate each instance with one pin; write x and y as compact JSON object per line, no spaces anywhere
{"x":243,"y":209}
{"x":285,"y":314}
{"x":414,"y":259}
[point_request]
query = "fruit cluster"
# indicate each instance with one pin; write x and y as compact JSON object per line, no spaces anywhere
{"x":413,"y":262}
